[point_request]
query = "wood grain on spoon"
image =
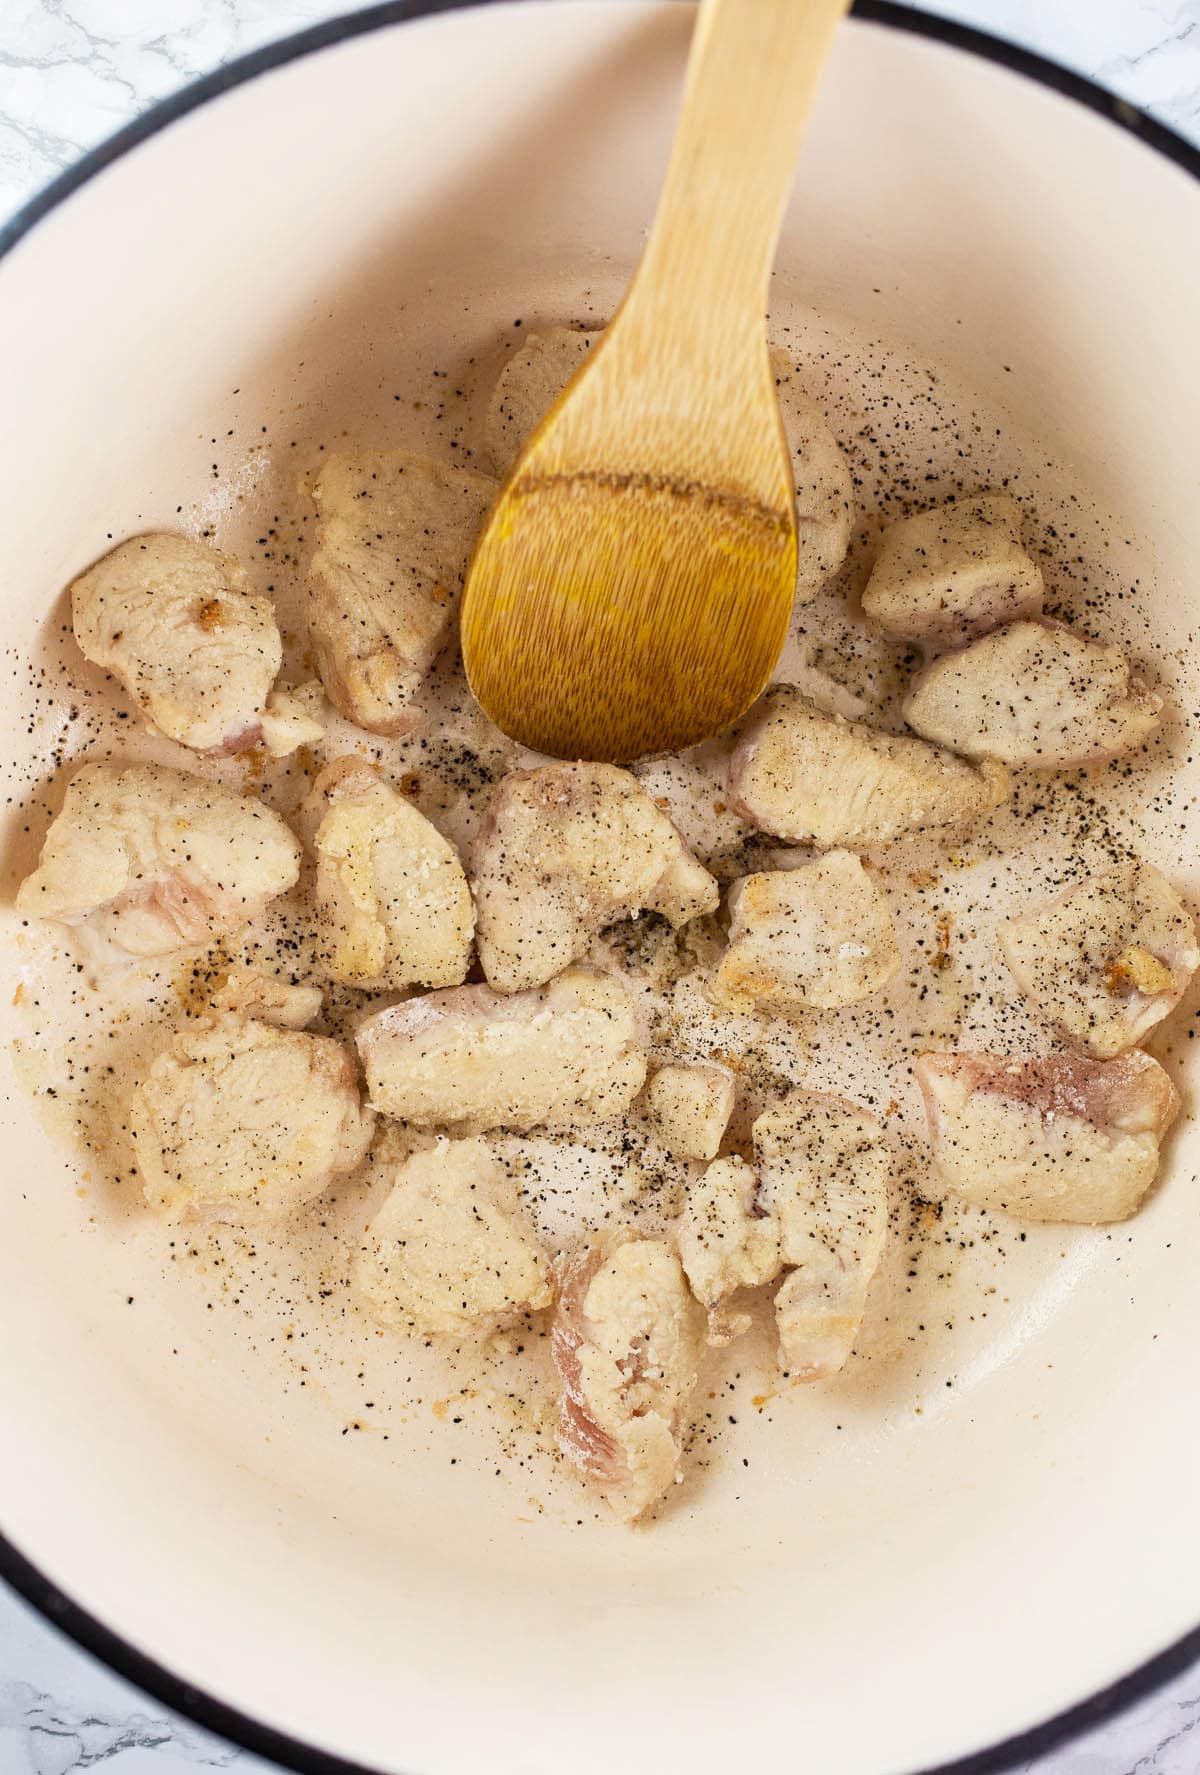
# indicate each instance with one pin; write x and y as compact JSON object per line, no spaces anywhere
{"x":632,"y":589}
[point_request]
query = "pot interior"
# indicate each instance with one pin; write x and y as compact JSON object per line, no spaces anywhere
{"x":990,"y":1514}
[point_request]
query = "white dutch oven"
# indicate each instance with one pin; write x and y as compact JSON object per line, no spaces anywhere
{"x":926,"y":1588}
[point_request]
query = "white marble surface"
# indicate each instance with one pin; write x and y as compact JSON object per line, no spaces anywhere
{"x":72,"y":71}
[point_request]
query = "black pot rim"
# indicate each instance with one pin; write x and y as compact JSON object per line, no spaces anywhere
{"x":18,"y":1572}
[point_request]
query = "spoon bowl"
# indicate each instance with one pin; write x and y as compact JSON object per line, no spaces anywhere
{"x":629,"y":612}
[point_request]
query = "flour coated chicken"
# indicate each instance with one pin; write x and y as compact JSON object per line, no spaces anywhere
{"x":469,"y":1058}
{"x":688,"y":1105}
{"x":175,"y":621}
{"x":396,"y":534}
{"x":1065,"y":1137}
{"x":943,"y":576}
{"x":815,"y":938}
{"x":814,"y":1205}
{"x":626,"y":1341}
{"x":727,"y":1241}
{"x":393,"y":903}
{"x":823,"y":1165}
{"x":823,"y":483}
{"x":143,"y":861}
{"x":1034,"y":694}
{"x":1108,"y":960}
{"x":530,"y":382}
{"x":237,"y":1120}
{"x":805,"y":775}
{"x":564,"y":850}
{"x":450,"y":1252}
{"x":267,"y":997}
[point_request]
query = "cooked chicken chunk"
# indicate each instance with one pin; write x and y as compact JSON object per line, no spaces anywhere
{"x":1108,"y":960}
{"x":818,"y":937}
{"x":528,"y":385}
{"x":804,"y":775}
{"x":396,"y":533}
{"x":1062,"y":1138}
{"x":174,"y":620}
{"x":450,"y":1253}
{"x":269,"y":999}
{"x":144,"y":860}
{"x":241,"y":1122}
{"x":952,"y":573}
{"x":289,"y":718}
{"x":823,"y":1169}
{"x":688,"y":1105}
{"x":824,"y":486}
{"x":565,"y":850}
{"x":392,"y":895}
{"x":726,"y":1242}
{"x":536,"y":375}
{"x":471,"y":1059}
{"x":1034,"y":694}
{"x":815,"y":1204}
{"x":626,"y":1341}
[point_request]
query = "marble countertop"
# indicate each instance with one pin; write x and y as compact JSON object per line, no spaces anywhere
{"x":72,"y":71}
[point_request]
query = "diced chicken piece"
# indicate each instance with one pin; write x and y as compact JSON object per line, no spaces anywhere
{"x":450,"y":1252}
{"x":823,"y":1167}
{"x":392,"y":894}
{"x":143,"y":860}
{"x":565,"y":850}
{"x":174,"y":620}
{"x":396,"y":534}
{"x":527,"y":387}
{"x":824,"y":485}
{"x":1061,"y":1138}
{"x":1034,"y":694}
{"x":949,"y":574}
{"x":290,"y":719}
{"x":1108,"y":960}
{"x":688,"y":1105}
{"x":807,"y":776}
{"x":814,"y":938}
{"x":726,"y":1242}
{"x":470,"y":1059}
{"x":627,"y":1339}
{"x":269,"y":999}
{"x":237,"y":1121}
{"x":815,"y":1205}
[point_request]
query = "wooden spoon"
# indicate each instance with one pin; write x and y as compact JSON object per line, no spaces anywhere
{"x":632,"y":589}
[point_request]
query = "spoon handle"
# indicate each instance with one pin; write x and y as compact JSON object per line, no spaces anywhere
{"x":751,"y":77}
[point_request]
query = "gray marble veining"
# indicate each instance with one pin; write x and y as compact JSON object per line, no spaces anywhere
{"x":72,"y":71}
{"x":50,"y":1737}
